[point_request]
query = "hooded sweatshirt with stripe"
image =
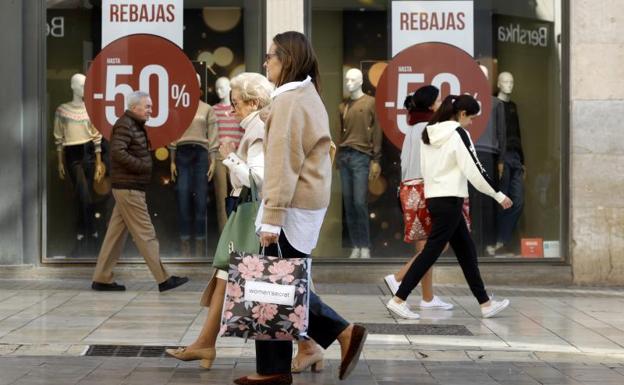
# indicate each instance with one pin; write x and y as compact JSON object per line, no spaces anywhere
{"x":450,"y":161}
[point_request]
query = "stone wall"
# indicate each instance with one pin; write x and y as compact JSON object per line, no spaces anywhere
{"x":597,"y":141}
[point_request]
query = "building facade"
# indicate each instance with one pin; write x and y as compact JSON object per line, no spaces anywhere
{"x":565,"y":58}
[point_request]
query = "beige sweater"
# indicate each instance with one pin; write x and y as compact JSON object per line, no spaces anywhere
{"x":360,"y":130}
{"x":203,"y":129}
{"x":297,"y":169}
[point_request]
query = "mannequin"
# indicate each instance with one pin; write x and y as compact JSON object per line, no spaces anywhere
{"x":490,"y":148}
{"x":229,"y":131}
{"x":193,"y":158}
{"x":513,"y":173}
{"x":358,"y":160}
{"x":79,"y":154}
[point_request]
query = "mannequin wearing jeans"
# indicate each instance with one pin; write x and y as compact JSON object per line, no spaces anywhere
{"x":193,"y":159}
{"x":358,"y":160}
{"x":512,"y":178}
{"x":78,"y":146}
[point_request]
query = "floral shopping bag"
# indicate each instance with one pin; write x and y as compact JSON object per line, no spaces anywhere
{"x":266,"y":297}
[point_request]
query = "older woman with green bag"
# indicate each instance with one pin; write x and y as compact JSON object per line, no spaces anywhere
{"x":251,"y":92}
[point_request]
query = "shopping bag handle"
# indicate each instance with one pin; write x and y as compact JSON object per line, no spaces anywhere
{"x":279,"y":251}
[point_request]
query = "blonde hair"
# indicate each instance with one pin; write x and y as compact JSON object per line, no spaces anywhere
{"x":253,"y":86}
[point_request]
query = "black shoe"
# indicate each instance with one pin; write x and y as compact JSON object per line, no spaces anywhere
{"x":172,"y":283}
{"x":107,"y":286}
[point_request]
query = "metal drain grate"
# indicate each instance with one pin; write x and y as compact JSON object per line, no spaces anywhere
{"x":418,"y":329}
{"x":126,"y":351}
{"x":387,"y":328}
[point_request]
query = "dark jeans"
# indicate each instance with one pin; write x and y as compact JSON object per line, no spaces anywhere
{"x":80,"y":164}
{"x":354,"y":167}
{"x":274,"y":357}
{"x":512,"y":185}
{"x":192,"y":190}
{"x":448,"y":226}
{"x":482,"y":207}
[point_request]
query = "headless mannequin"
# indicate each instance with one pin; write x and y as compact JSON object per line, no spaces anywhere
{"x":196,"y":152}
{"x":355,"y":152}
{"x":213,"y":158}
{"x":77,"y":86}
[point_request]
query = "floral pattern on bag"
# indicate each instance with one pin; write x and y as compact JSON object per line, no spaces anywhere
{"x":259,"y":320}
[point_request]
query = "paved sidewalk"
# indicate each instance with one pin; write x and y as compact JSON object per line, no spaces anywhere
{"x":548,"y":336}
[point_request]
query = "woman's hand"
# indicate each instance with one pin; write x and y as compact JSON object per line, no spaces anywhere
{"x":226,"y":148}
{"x":506,"y":203}
{"x":267,"y":239}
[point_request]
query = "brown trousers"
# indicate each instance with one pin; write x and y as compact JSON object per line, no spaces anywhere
{"x":129,"y":215}
{"x":221,"y":191}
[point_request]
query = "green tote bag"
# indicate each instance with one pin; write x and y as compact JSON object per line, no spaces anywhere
{"x":239,"y":232}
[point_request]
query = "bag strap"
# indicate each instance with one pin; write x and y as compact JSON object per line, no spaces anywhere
{"x":254,"y":188}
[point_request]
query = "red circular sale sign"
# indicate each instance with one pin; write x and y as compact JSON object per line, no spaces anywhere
{"x":146,"y":63}
{"x":449,"y":68}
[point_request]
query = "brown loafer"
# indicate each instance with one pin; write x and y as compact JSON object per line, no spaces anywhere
{"x":278,"y":379}
{"x":358,"y":337}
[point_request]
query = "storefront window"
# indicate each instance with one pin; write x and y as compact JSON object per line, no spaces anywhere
{"x":222,"y":39}
{"x":517,"y":41}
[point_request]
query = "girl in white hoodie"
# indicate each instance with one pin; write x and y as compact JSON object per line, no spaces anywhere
{"x":448,"y":161}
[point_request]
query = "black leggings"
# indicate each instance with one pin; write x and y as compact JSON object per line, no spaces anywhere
{"x":448,"y":226}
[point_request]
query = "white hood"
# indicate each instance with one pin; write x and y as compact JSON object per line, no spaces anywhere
{"x":440,"y":133}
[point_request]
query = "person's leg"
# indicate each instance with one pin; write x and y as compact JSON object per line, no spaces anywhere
{"x":445,"y":215}
{"x":183,"y":191}
{"x":346,"y":180}
{"x":133,"y":209}
{"x":221,"y":192}
{"x":466,"y":254}
{"x":418,"y":248}
{"x":210,"y":330}
{"x":112,"y":246}
{"x":361,"y":166}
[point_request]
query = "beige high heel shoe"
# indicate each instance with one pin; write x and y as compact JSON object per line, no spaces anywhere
{"x":314,"y":362}
{"x":205,"y":355}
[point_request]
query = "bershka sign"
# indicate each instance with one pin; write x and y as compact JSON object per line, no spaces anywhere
{"x":516,"y":34}
{"x":162,"y":18}
{"x":450,"y":22}
{"x":265,"y":292}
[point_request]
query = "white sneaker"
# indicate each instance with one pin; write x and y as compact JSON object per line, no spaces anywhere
{"x":435,"y":303}
{"x":392,"y":283}
{"x":493,"y":249}
{"x":365,"y":253}
{"x":401,"y":309}
{"x":355,"y":253}
{"x":494,"y":308}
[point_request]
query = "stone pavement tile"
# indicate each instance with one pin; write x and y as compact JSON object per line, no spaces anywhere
{"x":9,"y":375}
{"x":40,"y":350}
{"x":593,"y":374}
{"x":373,"y":353}
{"x":500,"y":356}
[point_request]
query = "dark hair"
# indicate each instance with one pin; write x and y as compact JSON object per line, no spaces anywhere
{"x":450,"y":108}
{"x":298,"y":59}
{"x":422,"y":99}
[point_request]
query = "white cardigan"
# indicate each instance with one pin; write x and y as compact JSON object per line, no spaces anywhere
{"x":237,"y":165}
